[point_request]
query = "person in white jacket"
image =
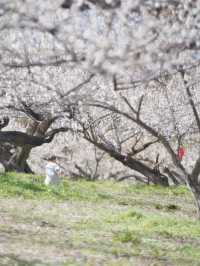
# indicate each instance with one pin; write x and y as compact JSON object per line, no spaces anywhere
{"x":52,"y":172}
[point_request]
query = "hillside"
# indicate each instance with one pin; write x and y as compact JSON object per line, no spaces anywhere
{"x":102,"y":223}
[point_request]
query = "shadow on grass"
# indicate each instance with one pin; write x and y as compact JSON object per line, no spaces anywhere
{"x":13,"y":260}
{"x":28,"y":185}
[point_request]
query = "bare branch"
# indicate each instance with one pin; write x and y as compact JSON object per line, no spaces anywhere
{"x":21,"y":139}
{"x":148,"y":128}
{"x":46,"y":63}
{"x":139,"y":107}
{"x":144,"y":147}
{"x":129,"y":104}
{"x":4,"y":122}
{"x":79,"y":86}
{"x":195,"y":112}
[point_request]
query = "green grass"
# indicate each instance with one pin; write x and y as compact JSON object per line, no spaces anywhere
{"x":114,"y":223}
{"x":32,"y":187}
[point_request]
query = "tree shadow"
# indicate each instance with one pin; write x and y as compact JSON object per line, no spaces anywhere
{"x":30,"y":186}
{"x":14,"y":260}
{"x":36,"y":187}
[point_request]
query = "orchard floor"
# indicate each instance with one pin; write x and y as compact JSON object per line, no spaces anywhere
{"x":96,"y":223}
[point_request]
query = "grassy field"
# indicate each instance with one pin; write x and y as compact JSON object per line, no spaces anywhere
{"x":102,"y":223}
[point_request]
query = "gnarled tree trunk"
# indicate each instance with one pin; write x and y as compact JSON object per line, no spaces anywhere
{"x":18,"y":161}
{"x":22,"y":143}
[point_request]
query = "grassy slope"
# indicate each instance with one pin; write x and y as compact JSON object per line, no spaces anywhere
{"x":102,"y":223}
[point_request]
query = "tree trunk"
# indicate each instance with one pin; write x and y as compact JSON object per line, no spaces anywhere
{"x":195,"y":189}
{"x":22,"y":143}
{"x":18,"y":161}
{"x":153,"y":175}
{"x":197,"y":201}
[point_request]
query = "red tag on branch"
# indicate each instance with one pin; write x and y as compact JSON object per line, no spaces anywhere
{"x":181,"y":153}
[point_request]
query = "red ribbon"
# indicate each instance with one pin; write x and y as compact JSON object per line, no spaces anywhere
{"x":181,"y":153}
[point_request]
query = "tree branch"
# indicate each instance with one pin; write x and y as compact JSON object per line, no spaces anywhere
{"x":4,"y":122}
